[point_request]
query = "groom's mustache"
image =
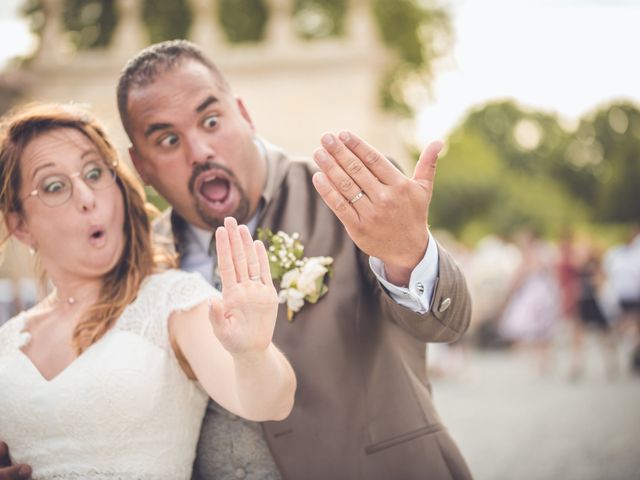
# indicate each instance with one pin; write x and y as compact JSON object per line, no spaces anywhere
{"x":203,"y":167}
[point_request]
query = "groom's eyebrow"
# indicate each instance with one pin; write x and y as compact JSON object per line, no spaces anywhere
{"x":204,"y":105}
{"x":154,"y":127}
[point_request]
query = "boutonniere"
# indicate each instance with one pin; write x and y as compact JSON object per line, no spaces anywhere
{"x":301,"y":278}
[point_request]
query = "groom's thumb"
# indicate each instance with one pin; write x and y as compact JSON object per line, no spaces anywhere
{"x":426,"y":166}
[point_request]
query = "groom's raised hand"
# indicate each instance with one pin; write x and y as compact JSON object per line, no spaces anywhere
{"x":385,"y":213}
{"x":9,"y":471}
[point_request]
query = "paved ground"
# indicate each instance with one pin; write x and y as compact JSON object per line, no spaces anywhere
{"x":513,"y":424}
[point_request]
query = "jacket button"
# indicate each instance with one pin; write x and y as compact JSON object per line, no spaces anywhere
{"x":420,"y":288}
{"x":240,"y":473}
{"x":444,"y":304}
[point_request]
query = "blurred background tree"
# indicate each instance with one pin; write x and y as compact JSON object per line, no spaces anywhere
{"x":507,"y":167}
{"x":418,"y":34}
{"x":166,"y":20}
{"x":616,"y":133}
{"x":90,"y":23}
{"x":314,"y":19}
{"x":243,"y":21}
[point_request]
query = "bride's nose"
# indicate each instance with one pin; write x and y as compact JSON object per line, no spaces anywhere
{"x":84,"y":196}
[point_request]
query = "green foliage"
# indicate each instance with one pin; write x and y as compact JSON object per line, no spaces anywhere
{"x":243,"y":20}
{"x":315,"y":19}
{"x":416,"y":35}
{"x":155,"y":198}
{"x":90,"y":23}
{"x":508,"y":167}
{"x":477,"y":192}
{"x":467,"y":183}
{"x":166,"y":20}
{"x":617,"y":130}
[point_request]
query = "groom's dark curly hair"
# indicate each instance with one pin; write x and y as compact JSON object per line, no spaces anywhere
{"x":144,"y":68}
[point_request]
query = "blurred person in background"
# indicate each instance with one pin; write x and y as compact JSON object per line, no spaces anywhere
{"x":532,"y":307}
{"x":622,"y":267}
{"x":491,"y":271}
{"x":567,"y":274}
{"x":590,"y":314}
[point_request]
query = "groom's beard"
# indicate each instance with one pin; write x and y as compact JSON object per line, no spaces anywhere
{"x":241,"y":213}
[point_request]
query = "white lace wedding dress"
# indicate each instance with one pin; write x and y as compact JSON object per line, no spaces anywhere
{"x":123,"y":409}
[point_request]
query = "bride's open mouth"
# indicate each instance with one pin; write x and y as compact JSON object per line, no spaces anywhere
{"x":215,"y":191}
{"x":97,"y":235}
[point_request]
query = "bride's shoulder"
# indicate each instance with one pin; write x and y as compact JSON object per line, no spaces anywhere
{"x":18,"y":321}
{"x":14,"y":322}
{"x":12,"y":329}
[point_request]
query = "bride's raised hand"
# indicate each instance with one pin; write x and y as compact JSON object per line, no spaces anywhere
{"x":245,"y":318}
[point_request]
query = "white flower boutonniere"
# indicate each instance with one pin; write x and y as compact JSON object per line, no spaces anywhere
{"x":301,"y":278}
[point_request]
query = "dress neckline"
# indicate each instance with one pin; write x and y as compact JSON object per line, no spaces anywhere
{"x":24,"y":335}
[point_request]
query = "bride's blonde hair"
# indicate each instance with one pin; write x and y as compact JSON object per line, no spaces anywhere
{"x":121,"y":284}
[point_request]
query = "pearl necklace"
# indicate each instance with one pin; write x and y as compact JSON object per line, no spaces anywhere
{"x":69,"y":301}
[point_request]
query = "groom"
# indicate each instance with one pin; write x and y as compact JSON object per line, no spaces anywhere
{"x":363,"y":407}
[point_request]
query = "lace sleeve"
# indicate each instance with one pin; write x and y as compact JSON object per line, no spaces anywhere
{"x":188,"y":290}
{"x":160,"y":295}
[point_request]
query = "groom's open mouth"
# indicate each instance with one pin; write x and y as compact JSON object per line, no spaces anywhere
{"x":215,"y":191}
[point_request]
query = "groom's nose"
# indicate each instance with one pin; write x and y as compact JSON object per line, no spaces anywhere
{"x":198,"y":150}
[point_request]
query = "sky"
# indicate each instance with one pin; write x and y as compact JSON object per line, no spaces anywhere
{"x":15,"y":37}
{"x":563,"y":56}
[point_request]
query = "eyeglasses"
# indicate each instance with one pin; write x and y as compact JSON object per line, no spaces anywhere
{"x":55,"y":190}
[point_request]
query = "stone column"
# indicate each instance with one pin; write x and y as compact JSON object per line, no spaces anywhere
{"x":53,"y":44}
{"x":130,"y":36}
{"x":206,"y":30}
{"x":280,"y":34}
{"x":361,"y":29}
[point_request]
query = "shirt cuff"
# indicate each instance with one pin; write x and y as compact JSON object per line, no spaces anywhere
{"x":417,"y":297}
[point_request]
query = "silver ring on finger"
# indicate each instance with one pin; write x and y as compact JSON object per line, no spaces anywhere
{"x":357,"y":197}
{"x":255,"y":278}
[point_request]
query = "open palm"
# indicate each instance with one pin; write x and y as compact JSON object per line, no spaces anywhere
{"x":245,"y":318}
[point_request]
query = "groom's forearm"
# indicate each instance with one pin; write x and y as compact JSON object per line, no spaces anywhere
{"x":265,"y":384}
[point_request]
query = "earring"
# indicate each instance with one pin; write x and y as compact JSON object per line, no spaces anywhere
{"x":32,"y":251}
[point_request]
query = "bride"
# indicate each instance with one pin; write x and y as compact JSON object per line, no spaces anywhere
{"x":109,"y":376}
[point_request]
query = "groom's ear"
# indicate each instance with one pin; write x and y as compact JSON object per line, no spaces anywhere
{"x":138,"y":163}
{"x":245,"y":113}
